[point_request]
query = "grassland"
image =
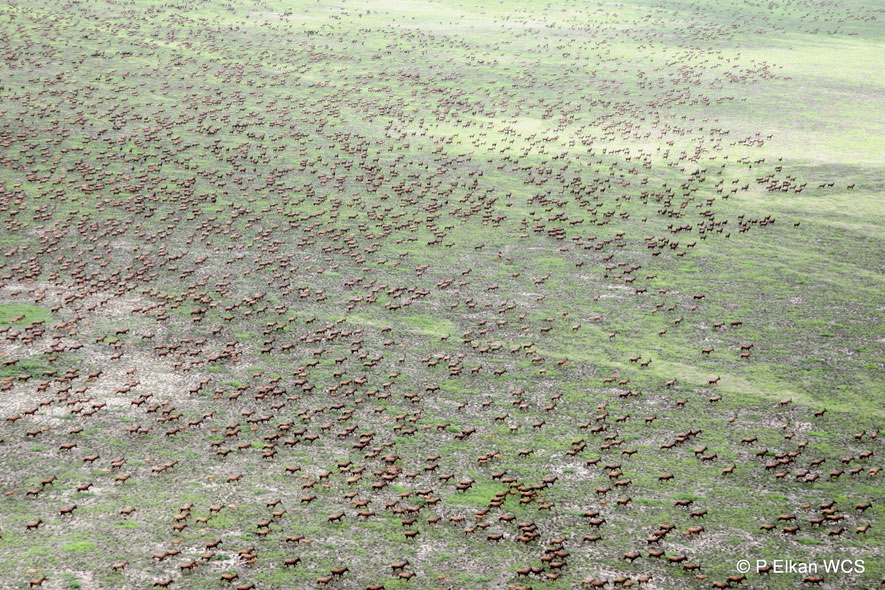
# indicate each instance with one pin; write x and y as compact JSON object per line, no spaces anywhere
{"x":457,"y":266}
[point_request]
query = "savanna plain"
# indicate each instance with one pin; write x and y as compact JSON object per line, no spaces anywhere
{"x":441,"y":294}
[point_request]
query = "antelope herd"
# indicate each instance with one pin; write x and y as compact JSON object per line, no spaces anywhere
{"x":345,"y":295}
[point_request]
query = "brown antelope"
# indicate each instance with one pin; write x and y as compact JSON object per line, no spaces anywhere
{"x":67,"y":510}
